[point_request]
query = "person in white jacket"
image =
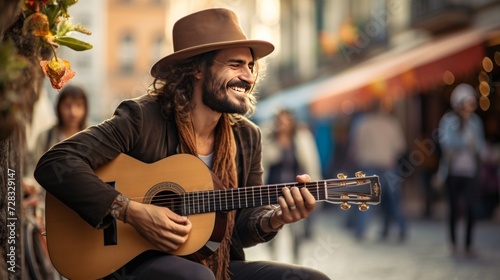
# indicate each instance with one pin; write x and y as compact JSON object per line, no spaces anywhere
{"x":289,"y":148}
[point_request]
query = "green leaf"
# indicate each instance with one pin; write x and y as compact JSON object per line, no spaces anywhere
{"x":52,"y":13}
{"x":73,"y":43}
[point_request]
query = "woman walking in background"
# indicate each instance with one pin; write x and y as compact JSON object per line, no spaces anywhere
{"x":461,"y":136}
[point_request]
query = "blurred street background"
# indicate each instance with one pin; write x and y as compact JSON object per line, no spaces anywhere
{"x":336,"y":62}
{"x":425,"y":254}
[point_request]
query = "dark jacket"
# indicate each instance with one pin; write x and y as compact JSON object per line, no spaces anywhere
{"x":139,"y":129}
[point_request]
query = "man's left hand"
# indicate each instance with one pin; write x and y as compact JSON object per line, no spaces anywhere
{"x":296,"y":203}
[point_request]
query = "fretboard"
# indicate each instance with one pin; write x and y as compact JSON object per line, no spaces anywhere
{"x":225,"y":200}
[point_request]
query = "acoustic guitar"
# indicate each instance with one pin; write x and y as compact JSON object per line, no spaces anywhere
{"x":184,"y":184}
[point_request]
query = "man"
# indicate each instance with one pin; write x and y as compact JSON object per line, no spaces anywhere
{"x":196,"y":105}
{"x":378,"y":144}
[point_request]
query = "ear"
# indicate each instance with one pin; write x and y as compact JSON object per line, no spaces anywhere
{"x":198,"y":75}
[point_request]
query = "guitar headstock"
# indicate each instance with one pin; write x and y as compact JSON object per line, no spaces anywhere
{"x":361,"y":190}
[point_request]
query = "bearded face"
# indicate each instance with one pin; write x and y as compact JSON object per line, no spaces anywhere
{"x":228,"y":82}
{"x":219,"y":95}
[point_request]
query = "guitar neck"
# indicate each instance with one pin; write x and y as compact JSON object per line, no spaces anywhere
{"x":231,"y":199}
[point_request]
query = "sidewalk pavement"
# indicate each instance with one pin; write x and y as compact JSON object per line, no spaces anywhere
{"x":425,"y":254}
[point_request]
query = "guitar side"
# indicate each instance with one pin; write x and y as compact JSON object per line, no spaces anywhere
{"x":78,"y":251}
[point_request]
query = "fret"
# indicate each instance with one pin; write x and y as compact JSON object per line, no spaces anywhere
{"x":253,"y":197}
{"x":243,"y":197}
{"x":183,"y":204}
{"x":213,"y":197}
{"x":207,"y":203}
{"x":260,"y":192}
{"x":263,"y":196}
{"x":317,"y":191}
{"x":203,"y":202}
{"x":276,"y":191}
{"x":198,"y":201}
{"x":205,"y":195}
{"x":269,"y":195}
{"x":232,"y":197}
{"x":191,"y":204}
{"x":246,"y":199}
{"x":325,"y":190}
{"x":239,"y":198}
{"x":220,"y":200}
{"x":210,"y":199}
{"x":225,"y":195}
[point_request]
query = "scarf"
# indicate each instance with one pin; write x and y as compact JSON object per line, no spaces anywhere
{"x":224,"y":167}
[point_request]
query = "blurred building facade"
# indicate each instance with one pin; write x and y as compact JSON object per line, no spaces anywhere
{"x":89,"y":65}
{"x":128,"y":36}
{"x":315,"y":39}
{"x":136,"y":39}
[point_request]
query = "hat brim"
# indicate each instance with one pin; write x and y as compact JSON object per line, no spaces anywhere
{"x":259,"y":48}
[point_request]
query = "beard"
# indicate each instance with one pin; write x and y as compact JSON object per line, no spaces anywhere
{"x":216,"y":97}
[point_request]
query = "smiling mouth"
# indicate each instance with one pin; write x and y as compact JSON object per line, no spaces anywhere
{"x":240,"y":90}
{"x":239,"y":87}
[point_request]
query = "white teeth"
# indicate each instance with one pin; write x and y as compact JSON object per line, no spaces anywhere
{"x":239,"y":89}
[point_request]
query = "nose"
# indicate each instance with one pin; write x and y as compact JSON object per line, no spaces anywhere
{"x":73,"y":110}
{"x":247,"y":75}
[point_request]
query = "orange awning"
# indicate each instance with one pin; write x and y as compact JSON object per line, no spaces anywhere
{"x":399,"y":74}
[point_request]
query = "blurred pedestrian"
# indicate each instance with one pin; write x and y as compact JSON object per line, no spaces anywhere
{"x":428,"y":168}
{"x":378,"y":144}
{"x":461,"y":136}
{"x":71,"y":110}
{"x":289,"y":148}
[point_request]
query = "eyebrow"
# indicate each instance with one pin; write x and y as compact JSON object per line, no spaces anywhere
{"x":241,"y":61}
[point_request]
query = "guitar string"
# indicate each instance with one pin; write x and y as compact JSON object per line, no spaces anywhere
{"x":247,"y":190}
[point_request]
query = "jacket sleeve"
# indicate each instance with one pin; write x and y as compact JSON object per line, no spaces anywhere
{"x":66,"y":170}
{"x":247,"y":226}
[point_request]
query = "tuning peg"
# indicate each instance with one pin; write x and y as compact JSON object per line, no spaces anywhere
{"x":360,"y":174}
{"x":345,"y":206}
{"x":363,"y":207}
{"x":341,"y":176}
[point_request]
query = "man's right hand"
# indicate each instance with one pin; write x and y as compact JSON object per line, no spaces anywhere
{"x":159,"y":225}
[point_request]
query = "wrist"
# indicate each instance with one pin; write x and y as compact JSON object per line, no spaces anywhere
{"x":120,"y":207}
{"x":270,"y":222}
{"x":275,"y":222}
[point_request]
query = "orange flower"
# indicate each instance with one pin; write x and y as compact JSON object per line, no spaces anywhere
{"x":58,"y":70}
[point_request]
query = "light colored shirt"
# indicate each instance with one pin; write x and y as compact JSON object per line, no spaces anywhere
{"x":378,"y":141}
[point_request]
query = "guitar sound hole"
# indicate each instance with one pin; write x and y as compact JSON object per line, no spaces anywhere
{"x":168,"y":199}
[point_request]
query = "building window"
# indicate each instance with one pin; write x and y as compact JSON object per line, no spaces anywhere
{"x":126,"y":54}
{"x":158,"y":2}
{"x":157,"y":48}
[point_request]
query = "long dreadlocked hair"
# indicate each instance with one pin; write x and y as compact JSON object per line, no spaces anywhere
{"x":174,"y":91}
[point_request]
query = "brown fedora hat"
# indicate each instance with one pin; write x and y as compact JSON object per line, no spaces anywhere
{"x":205,"y":31}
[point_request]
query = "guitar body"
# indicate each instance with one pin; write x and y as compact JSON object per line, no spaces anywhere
{"x":78,"y":251}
